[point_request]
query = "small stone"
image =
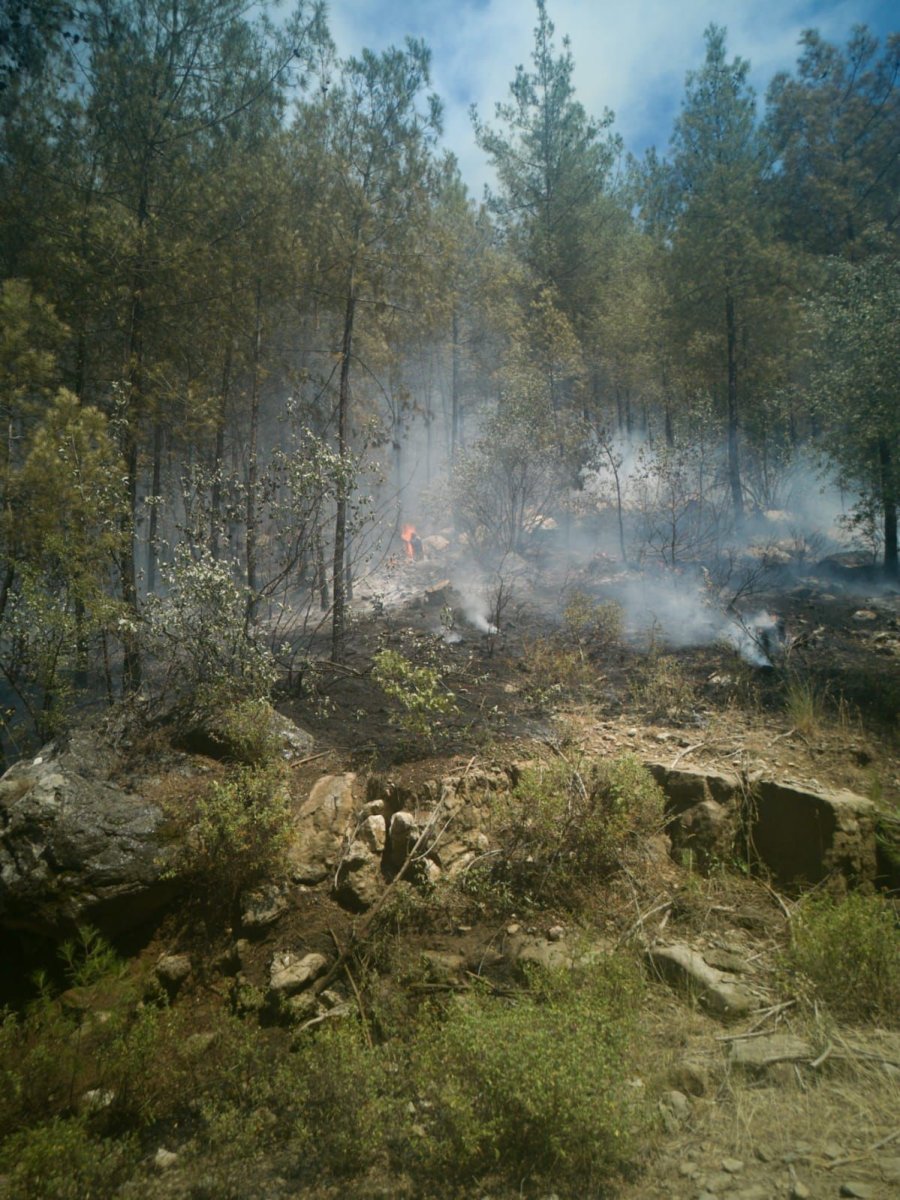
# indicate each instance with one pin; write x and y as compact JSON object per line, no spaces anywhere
{"x":799,"y":1191}
{"x":98,"y":1098}
{"x":556,"y":933}
{"x":172,"y":970}
{"x":756,"y":1191}
{"x":862,"y":1191}
{"x":513,"y":929}
{"x":890,"y":1168}
{"x":163,"y":1159}
{"x":288,"y":976}
{"x":719,"y":1181}
{"x":687,"y":1168}
{"x":833,"y":1151}
{"x":732,"y":1165}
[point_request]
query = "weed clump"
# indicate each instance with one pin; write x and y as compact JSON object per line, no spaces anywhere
{"x":849,"y":951}
{"x":534,"y":1090}
{"x":241,"y":831}
{"x":419,"y":691}
{"x":567,"y":829}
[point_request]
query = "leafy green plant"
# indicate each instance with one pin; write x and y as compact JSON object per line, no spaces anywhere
{"x":663,"y":690}
{"x":533,"y":1090}
{"x":849,"y":950}
{"x":242,"y":829}
{"x":570,"y":826}
{"x":247,"y":731}
{"x":62,"y":1160}
{"x":591,"y":625}
{"x":420,"y":692}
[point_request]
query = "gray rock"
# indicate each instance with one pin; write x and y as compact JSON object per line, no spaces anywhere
{"x":402,"y":837}
{"x":732,"y":1165}
{"x":373,"y":833}
{"x":289,"y":975}
{"x":163,"y":1159}
{"x":685,"y":968}
{"x":78,"y":849}
{"x":321,"y":827}
{"x":172,"y":970}
{"x":861,"y":1191}
{"x":758,"y":1053}
{"x":263,"y":906}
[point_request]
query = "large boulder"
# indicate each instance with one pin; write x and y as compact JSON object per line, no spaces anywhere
{"x":321,"y":829}
{"x":76,"y":848}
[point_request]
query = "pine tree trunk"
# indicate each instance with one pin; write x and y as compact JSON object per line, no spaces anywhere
{"x":889,"y":504}
{"x":734,"y":464}
{"x":252,"y":514}
{"x":338,"y":616}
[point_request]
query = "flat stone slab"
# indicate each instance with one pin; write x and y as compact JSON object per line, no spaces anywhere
{"x":761,"y":1052}
{"x":686,"y":969}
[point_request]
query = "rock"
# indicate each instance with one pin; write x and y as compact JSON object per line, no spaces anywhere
{"x":675,"y":1109}
{"x":732,"y":1165}
{"x":373,"y":833}
{"x":684,"y":967}
{"x":77,"y":849}
{"x":264,"y":906}
{"x":890,"y":1168}
{"x":289,"y":975}
{"x":163,"y":1159}
{"x":690,"y":1078}
{"x":402,"y":837}
{"x":799,"y":1191}
{"x":172,"y":970}
{"x":556,"y":933}
{"x":756,"y":1191}
{"x":705,"y":832}
{"x":321,"y":828}
{"x":97,"y":1099}
{"x":442,"y":965}
{"x":359,"y":880}
{"x":862,"y":1191}
{"x":758,"y":1053}
{"x":807,"y":835}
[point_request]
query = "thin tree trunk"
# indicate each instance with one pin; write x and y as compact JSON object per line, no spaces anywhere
{"x":889,"y":503}
{"x":219,"y":454}
{"x":455,"y":410}
{"x":338,"y":618}
{"x":734,"y":465}
{"x":156,"y":488}
{"x":251,"y":510}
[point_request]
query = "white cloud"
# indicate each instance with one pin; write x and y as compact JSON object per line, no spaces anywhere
{"x":630,"y":57}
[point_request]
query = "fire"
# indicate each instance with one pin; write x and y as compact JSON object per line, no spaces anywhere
{"x":410,"y":538}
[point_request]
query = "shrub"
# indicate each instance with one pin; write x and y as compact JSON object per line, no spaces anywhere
{"x":849,"y":950}
{"x":247,"y":731}
{"x":61,"y":1160}
{"x":419,"y":691}
{"x":663,"y":690}
{"x":201,"y":639}
{"x":568,"y":829}
{"x":593,"y":626}
{"x":534,"y":1090}
{"x":242,"y":829}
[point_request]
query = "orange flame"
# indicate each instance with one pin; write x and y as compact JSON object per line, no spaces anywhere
{"x":408,"y":532}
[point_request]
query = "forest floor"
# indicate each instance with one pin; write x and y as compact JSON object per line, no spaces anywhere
{"x":819,"y":1117}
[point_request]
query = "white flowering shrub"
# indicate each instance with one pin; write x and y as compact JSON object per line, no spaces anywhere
{"x":200,"y":640}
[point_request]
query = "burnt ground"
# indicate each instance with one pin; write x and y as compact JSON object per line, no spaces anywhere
{"x":823,"y":711}
{"x":826,"y":711}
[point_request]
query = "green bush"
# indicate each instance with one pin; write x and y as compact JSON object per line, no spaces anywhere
{"x":568,"y":829}
{"x":61,"y":1160}
{"x":247,"y":731}
{"x":242,"y":830}
{"x":419,"y":691}
{"x":534,"y":1090}
{"x":849,"y":950}
{"x":662,"y":690}
{"x":591,"y":625}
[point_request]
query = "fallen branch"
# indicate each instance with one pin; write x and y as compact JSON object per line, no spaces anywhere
{"x":684,"y":753}
{"x":301,"y":762}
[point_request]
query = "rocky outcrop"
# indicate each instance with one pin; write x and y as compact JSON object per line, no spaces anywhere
{"x":800,"y":835}
{"x":321,"y":827}
{"x":76,"y":848}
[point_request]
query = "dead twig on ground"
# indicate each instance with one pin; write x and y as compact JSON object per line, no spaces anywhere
{"x":684,"y":753}
{"x":842,"y":1162}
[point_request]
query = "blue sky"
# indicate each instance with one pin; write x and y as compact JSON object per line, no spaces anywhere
{"x":630,"y":56}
